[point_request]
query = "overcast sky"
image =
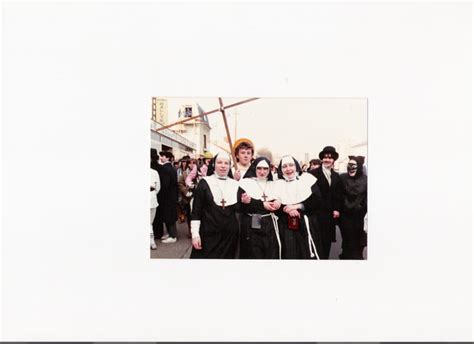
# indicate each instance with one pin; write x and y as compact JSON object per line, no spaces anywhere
{"x":288,"y":125}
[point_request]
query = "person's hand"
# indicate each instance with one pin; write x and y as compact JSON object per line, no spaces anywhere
{"x":189,"y":194}
{"x":335,"y":214}
{"x":276,"y":204}
{"x":290,"y":207}
{"x":269,"y":206}
{"x":197,"y":243}
{"x":237,"y":175}
{"x":191,"y":186}
{"x":245,"y":198}
{"x":294,"y":213}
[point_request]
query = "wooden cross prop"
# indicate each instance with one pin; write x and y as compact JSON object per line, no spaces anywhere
{"x":222,"y":109}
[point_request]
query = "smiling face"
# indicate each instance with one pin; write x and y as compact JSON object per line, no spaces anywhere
{"x":328,"y":161}
{"x":289,"y":169}
{"x":222,"y":167}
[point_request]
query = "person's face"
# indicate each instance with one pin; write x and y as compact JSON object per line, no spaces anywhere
{"x":207,"y":161}
{"x":164,"y":159}
{"x":192,"y":164}
{"x":328,"y":161}
{"x":314,"y":166}
{"x":262,"y":172}
{"x":289,"y":169}
{"x":352,"y":167}
{"x":222,"y":167}
{"x":244,"y":155}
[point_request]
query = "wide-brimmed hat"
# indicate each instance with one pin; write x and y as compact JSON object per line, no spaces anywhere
{"x":208,"y":155}
{"x":242,"y":140}
{"x":329,"y":150}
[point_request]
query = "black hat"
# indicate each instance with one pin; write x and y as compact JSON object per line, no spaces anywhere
{"x":329,"y":150}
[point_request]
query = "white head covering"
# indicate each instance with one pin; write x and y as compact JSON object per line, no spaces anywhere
{"x":223,"y":156}
{"x":263,"y":163}
{"x":287,"y":159}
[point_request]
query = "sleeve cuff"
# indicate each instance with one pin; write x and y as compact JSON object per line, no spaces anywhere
{"x":195,"y":225}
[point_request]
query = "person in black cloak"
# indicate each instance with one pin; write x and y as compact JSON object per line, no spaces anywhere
{"x":168,"y":198}
{"x":214,"y":226}
{"x":259,"y":234}
{"x":331,"y":191}
{"x":300,"y":197}
{"x":354,"y":209}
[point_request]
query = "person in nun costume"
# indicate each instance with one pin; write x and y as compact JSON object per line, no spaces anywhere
{"x":259,"y":235}
{"x":300,"y":199}
{"x":214,"y":226}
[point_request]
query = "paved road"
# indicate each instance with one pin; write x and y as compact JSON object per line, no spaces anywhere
{"x":182,"y":248}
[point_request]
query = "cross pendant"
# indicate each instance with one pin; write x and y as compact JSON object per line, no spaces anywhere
{"x":264,"y":197}
{"x":223,"y":202}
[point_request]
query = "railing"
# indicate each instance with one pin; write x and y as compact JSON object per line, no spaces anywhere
{"x":172,"y":135}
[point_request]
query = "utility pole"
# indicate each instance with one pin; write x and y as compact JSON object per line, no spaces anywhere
{"x":235,"y":124}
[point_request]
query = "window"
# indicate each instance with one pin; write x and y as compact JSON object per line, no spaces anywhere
{"x":188,"y":111}
{"x":205,"y":142}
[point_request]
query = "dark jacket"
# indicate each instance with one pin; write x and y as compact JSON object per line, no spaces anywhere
{"x":168,"y":195}
{"x":331,"y":195}
{"x":354,"y":195}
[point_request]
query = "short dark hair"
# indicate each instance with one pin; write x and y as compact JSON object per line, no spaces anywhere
{"x":243,"y":145}
{"x":167,"y":154}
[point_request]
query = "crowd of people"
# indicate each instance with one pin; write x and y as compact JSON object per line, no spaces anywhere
{"x":258,"y":210}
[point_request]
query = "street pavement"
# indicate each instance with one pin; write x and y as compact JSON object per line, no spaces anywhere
{"x":182,"y":247}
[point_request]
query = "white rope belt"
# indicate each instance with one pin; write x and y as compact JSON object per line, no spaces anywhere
{"x":277,"y":231}
{"x":312,"y":246}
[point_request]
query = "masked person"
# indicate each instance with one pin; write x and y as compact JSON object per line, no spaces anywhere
{"x":214,"y":226}
{"x":243,"y":151}
{"x":354,"y":209}
{"x":331,"y":191}
{"x":300,"y":200}
{"x":259,"y":234}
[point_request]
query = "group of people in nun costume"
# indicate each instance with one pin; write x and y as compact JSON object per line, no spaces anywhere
{"x":273,"y":219}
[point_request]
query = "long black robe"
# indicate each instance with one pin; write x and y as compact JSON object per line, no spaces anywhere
{"x":353,"y":211}
{"x":331,"y":200}
{"x":295,"y":242}
{"x":219,"y":229}
{"x":257,"y":243}
{"x":168,"y":195}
